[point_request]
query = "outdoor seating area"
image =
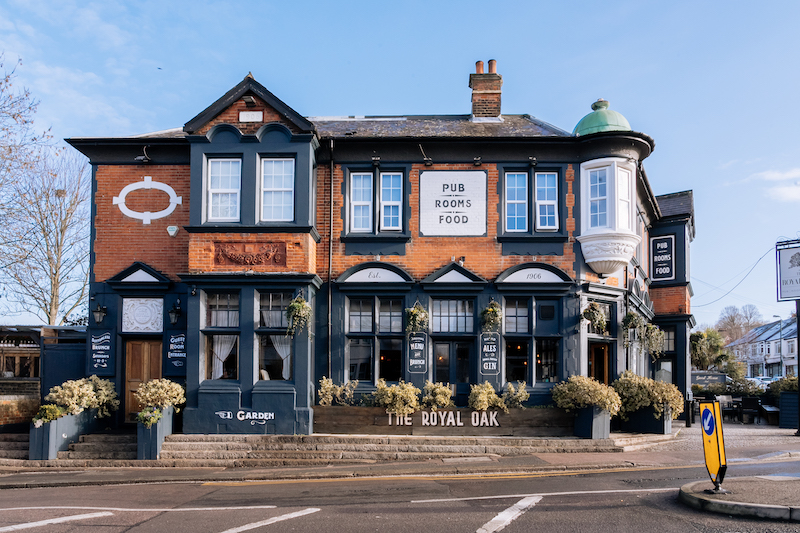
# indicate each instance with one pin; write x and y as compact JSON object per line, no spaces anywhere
{"x":736,"y":409}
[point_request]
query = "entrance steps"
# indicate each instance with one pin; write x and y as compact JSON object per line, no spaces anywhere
{"x":14,"y":445}
{"x":102,"y":447}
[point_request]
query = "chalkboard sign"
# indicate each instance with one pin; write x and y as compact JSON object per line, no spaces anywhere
{"x":418,"y":353}
{"x":101,"y":353}
{"x":490,"y":354}
{"x":176,"y":353}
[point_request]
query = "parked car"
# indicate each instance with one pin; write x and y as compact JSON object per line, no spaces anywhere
{"x":757,"y":381}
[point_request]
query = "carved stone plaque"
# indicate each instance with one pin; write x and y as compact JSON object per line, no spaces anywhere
{"x":143,"y":314}
{"x":250,"y":253}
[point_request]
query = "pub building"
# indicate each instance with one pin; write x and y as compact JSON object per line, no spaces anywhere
{"x":203,"y":235}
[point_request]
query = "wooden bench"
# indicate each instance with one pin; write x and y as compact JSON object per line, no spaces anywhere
{"x":771,"y":413}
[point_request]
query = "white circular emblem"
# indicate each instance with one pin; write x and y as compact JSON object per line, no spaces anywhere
{"x":147,"y":183}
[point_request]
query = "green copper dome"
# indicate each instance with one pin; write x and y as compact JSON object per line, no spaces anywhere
{"x":601,"y":119}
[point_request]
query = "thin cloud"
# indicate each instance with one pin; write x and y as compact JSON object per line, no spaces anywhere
{"x":777,"y":175}
{"x":785,"y":193}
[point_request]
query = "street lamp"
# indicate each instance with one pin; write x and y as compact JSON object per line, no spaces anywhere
{"x":780,"y":342}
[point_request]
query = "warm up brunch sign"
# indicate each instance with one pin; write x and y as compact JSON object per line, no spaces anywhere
{"x":452,"y":203}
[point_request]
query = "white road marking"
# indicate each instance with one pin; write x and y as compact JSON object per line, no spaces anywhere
{"x":542,"y":494}
{"x":140,"y":509}
{"x":41,"y":523}
{"x":509,"y":515}
{"x":281,"y":518}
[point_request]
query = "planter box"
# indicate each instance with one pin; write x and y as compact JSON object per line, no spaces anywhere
{"x":644,"y":421}
{"x":56,"y":436}
{"x":788,"y":413}
{"x":531,"y":422}
{"x":149,"y":440}
{"x":593,"y":423}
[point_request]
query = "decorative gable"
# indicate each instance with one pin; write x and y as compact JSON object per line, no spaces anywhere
{"x":140,"y":276}
{"x":454,"y":277}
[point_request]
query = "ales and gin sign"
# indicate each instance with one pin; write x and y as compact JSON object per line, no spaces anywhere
{"x":452,"y":203}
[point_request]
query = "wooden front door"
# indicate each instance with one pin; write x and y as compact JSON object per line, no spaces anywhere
{"x":142,"y":363}
{"x":598,"y":362}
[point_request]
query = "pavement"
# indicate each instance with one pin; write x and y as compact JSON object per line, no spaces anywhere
{"x":774,"y":497}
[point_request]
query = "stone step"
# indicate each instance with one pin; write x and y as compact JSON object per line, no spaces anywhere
{"x":318,"y":439}
{"x":99,"y":447}
{"x":109,"y":437}
{"x":104,"y":454}
{"x":13,"y":445}
{"x":305,"y":455}
{"x":14,"y":454}
{"x":14,"y":437}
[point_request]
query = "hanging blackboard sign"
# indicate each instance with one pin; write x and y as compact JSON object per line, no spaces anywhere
{"x":490,"y":354}
{"x":101,"y":352}
{"x":418,"y":353}
{"x":176,"y":354}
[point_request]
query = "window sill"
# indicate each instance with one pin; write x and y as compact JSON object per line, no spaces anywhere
{"x":376,"y":237}
{"x":533,"y":237}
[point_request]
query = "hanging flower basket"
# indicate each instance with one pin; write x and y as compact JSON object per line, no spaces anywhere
{"x":595,"y":316}
{"x":298,"y":315}
{"x":416,"y":319}
{"x":633,"y":321}
{"x":653,"y":341}
{"x":491,"y":317}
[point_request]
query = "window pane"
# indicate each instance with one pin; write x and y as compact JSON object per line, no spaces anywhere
{"x":442,"y":355}
{"x":516,"y":201}
{"x":273,"y":309}
{"x":361,"y":316}
{"x":390,"y":363}
{"x":517,"y":361}
{"x":360,"y":359}
{"x":277,"y":182}
{"x":546,"y":360}
{"x":516,"y":315}
{"x":275,"y":357}
{"x":222,"y":356}
{"x":222,"y":310}
{"x":223,"y":188}
{"x":462,"y":362}
{"x":391,"y":316}
{"x":453,"y":316}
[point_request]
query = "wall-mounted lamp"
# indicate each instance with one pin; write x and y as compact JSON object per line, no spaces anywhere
{"x":533,"y":161}
{"x":175,"y":312}
{"x":477,"y":161}
{"x":376,"y":161}
{"x":99,"y":313}
{"x":194,"y":290}
{"x":144,"y":158}
{"x":428,"y":161}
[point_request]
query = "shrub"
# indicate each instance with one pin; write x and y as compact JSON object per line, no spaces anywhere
{"x":582,"y":391}
{"x":638,"y":392}
{"x":399,"y":399}
{"x":341,"y":394}
{"x":86,"y":393}
{"x":516,"y":397}
{"x":783,"y":384}
{"x":47,"y":413}
{"x":437,"y":396}
{"x":160,"y":394}
{"x":483,"y":397}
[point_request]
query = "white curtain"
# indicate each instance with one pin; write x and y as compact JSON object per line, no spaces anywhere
{"x":222,"y":344}
{"x":283,"y":345}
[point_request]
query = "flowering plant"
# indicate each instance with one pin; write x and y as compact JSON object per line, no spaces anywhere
{"x":582,"y":391}
{"x":516,"y":396}
{"x":298,"y":315}
{"x":160,"y":394}
{"x":416,"y":318}
{"x":399,"y":399}
{"x":341,"y":394}
{"x":483,"y":397}
{"x":48,"y":413}
{"x":491,"y":317}
{"x":633,"y":321}
{"x":437,"y":396}
{"x":637,"y":392}
{"x":86,"y":393}
{"x":149,"y":416}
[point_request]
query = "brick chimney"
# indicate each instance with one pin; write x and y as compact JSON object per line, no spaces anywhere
{"x":486,"y":89}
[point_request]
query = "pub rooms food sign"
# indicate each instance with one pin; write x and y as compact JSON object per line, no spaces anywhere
{"x":452,"y":203}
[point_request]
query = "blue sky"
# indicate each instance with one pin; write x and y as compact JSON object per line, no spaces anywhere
{"x":715,"y":84}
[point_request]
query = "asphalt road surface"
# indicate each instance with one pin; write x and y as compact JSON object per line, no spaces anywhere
{"x":635,"y":500}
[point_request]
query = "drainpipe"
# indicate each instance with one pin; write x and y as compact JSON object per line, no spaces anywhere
{"x":330,"y":261}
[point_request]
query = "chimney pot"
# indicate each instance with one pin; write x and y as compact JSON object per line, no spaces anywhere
{"x":479,"y":67}
{"x":492,"y":66}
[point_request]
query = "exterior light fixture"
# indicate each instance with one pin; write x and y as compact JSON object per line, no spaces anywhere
{"x":144,"y":158}
{"x":175,"y":312}
{"x":99,"y":313}
{"x":476,"y":161}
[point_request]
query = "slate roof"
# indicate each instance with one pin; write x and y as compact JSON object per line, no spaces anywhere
{"x":676,"y":204}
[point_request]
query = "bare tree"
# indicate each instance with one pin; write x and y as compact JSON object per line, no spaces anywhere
{"x":731,"y":323}
{"x":46,"y":262}
{"x":751,"y":317}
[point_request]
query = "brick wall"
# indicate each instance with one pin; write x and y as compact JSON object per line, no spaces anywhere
{"x":425,"y":255}
{"x":671,"y":300}
{"x":231,"y":116}
{"x":18,"y":409}
{"x":301,"y":252}
{"x":121,"y":240}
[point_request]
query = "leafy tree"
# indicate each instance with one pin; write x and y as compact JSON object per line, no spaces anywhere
{"x":706,"y":349}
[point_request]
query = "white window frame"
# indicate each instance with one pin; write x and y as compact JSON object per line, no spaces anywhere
{"x":598,"y":199}
{"x":263,"y":190}
{"x":523,"y":202}
{"x":540,"y":202}
{"x":211,"y":193}
{"x":384,"y":204}
{"x":360,"y":203}
{"x":617,"y":169}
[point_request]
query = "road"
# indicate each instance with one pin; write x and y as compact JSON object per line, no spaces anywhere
{"x":636,"y":500}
